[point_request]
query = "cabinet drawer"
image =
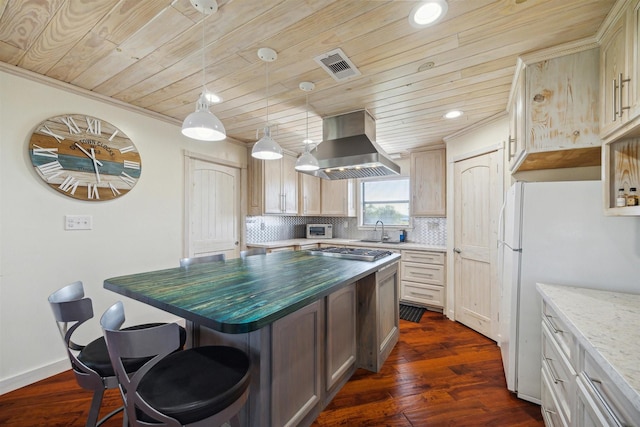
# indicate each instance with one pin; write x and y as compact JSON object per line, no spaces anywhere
{"x":560,"y":332}
{"x":423,"y":294}
{"x":423,"y":273}
{"x":423,"y":257}
{"x":608,"y":398}
{"x":550,"y":407}
{"x":559,"y":371}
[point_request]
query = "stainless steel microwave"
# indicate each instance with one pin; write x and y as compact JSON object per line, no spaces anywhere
{"x":319,"y":231}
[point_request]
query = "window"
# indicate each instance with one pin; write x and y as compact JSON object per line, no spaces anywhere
{"x":386,"y":200}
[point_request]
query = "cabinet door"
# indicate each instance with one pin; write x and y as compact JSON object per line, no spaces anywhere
{"x":309,"y":195}
{"x":334,"y":197}
{"x":341,"y":334}
{"x":272,"y":184}
{"x":612,"y":64}
{"x":428,"y":183}
{"x":634,"y":63}
{"x":296,"y":369}
{"x":388,"y":311}
{"x":289,"y":185}
{"x":562,"y":103}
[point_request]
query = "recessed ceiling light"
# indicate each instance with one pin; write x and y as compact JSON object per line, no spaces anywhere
{"x":428,"y":13}
{"x":453,"y":114}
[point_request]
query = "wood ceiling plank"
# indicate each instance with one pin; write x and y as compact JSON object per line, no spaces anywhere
{"x":124,"y":21}
{"x":22,"y":22}
{"x":163,"y":28}
{"x":69,"y":23}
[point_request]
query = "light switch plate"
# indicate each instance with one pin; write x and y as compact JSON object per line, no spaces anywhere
{"x":78,"y":222}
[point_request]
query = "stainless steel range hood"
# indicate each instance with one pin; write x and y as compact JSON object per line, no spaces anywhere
{"x":348,"y":149}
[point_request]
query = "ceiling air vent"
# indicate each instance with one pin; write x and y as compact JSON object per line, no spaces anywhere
{"x":337,"y":65}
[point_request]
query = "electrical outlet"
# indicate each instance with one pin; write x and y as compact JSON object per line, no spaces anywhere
{"x":78,"y":222}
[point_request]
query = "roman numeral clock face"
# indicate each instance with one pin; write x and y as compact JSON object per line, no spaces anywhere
{"x":84,"y":157}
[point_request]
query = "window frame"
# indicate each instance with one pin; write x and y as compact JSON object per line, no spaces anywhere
{"x":359,"y":204}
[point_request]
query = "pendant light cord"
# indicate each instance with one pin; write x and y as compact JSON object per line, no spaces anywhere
{"x":203,"y":66}
{"x":267,"y":73}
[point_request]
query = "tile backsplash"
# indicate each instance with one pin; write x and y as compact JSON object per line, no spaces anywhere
{"x":429,"y":231}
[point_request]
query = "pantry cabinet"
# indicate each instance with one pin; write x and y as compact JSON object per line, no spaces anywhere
{"x":273,"y":186}
{"x":554,"y":111}
{"x":620,"y":71}
{"x":427,"y":183}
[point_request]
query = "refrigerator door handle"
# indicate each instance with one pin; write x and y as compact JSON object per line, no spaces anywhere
{"x":500,"y":224}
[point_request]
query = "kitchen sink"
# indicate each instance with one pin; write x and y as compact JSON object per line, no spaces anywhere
{"x":378,"y":241}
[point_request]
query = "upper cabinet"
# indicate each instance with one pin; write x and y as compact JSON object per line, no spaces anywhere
{"x":620,"y":91}
{"x":337,"y":197}
{"x":554,"y":112}
{"x":620,"y":71}
{"x":309,"y":198}
{"x":427,"y":182}
{"x":273,"y":186}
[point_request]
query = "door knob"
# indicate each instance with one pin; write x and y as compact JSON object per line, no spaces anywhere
{"x":456,"y":250}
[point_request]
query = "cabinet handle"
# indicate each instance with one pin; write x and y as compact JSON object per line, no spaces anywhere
{"x":622,"y":82}
{"x":456,"y":250}
{"x":429,"y":275}
{"x":553,"y":327}
{"x":592,"y":384}
{"x":549,"y":411}
{"x":509,"y":149}
{"x":556,"y":378}
{"x":615,"y":100}
{"x":418,"y":294}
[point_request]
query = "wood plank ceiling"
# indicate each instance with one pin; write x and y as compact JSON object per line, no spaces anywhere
{"x":148,"y":53}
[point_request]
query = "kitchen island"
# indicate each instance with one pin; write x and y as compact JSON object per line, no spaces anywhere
{"x":306,"y":321}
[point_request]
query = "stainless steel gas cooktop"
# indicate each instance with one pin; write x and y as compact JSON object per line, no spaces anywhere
{"x":360,"y":254}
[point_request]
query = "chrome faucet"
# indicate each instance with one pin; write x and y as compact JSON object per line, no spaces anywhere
{"x":382,"y":235}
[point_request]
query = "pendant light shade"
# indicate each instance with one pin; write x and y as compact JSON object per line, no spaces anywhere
{"x":307,"y":161}
{"x":202,"y":124}
{"x":267,"y":148}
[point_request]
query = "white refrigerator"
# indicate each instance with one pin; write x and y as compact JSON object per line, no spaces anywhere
{"x":556,"y":232}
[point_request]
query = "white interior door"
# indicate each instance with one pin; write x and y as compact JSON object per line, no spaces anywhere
{"x":213,"y":209}
{"x":478,"y":193}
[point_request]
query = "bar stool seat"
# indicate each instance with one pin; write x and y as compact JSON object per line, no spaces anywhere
{"x":202,"y":385}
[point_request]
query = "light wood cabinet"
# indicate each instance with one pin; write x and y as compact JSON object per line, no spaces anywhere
{"x":296,"y":373}
{"x":620,"y":72}
{"x":554,"y":112}
{"x":341,"y":335}
{"x":423,"y":278}
{"x":273,"y":186}
{"x":427,"y":183}
{"x":378,"y":317}
{"x":309,"y":197}
{"x":337,"y":197}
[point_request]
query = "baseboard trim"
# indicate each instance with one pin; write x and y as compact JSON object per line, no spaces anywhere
{"x":30,"y":377}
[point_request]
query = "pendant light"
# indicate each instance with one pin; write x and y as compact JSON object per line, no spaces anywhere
{"x":267,"y":148}
{"x":306,"y":161}
{"x":203,"y":124}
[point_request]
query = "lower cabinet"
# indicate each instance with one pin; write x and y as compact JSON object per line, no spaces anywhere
{"x":341,"y":335}
{"x":378,"y":318}
{"x":576,"y":388}
{"x":423,"y":278}
{"x":296,"y":365}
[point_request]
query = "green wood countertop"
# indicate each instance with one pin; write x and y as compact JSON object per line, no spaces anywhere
{"x":243,"y":295}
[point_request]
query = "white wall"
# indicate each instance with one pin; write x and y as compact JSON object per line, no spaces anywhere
{"x":141,"y":231}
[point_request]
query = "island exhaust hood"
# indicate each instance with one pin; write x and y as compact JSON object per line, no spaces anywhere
{"x":348,"y":149}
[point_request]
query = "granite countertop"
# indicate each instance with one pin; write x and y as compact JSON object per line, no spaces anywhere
{"x":606,"y":325}
{"x":351,"y":242}
{"x":243,"y":295}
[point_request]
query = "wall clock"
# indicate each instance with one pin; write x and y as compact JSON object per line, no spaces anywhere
{"x":84,"y":157}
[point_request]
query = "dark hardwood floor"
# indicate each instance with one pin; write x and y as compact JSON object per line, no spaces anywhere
{"x":440,"y":374}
